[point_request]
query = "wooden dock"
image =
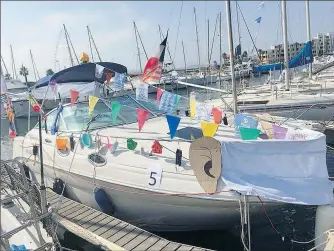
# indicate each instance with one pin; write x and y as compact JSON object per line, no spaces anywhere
{"x":106,"y":231}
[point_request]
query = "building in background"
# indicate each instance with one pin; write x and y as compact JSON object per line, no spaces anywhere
{"x":322,"y":44}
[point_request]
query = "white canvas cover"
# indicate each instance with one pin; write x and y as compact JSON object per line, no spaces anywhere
{"x":292,"y":171}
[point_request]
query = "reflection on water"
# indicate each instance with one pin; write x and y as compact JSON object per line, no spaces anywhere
{"x":296,"y":222}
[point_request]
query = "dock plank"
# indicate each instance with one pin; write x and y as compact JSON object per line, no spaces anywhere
{"x":131,"y":235}
{"x":121,"y":233}
{"x":114,"y":230}
{"x":171,"y":246}
{"x":148,"y":243}
{"x":110,"y":229}
{"x":159,"y":245}
{"x":94,"y":221}
{"x":136,"y":241}
{"x":100,"y":225}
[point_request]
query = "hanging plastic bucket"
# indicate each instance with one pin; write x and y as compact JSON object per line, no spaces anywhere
{"x":61,"y":143}
{"x":249,"y":133}
{"x":86,"y":140}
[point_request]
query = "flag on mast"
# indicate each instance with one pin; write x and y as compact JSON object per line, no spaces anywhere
{"x":153,"y":68}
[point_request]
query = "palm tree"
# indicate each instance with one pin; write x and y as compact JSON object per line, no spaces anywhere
{"x":24,"y":72}
{"x":7,"y":76}
{"x":49,"y":72}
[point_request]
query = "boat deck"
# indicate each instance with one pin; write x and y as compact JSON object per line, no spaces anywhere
{"x":107,"y":231}
{"x":330,"y":242}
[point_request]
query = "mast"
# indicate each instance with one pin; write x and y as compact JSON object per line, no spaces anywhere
{"x":13,"y":63}
{"x":90,"y":44}
{"x":36,"y":74}
{"x":230,"y":41}
{"x":208,"y":42}
{"x":184,"y":58}
{"x":4,"y":65}
{"x":138,"y":50}
{"x":308,"y":30}
{"x":220,"y":45}
{"x":236,"y":9}
{"x":141,"y":42}
{"x":91,"y":37}
{"x":199,"y":57}
{"x":68,"y":47}
{"x":285,"y":44}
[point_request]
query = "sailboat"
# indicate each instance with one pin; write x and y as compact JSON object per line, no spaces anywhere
{"x":166,"y":177}
{"x":311,"y":100}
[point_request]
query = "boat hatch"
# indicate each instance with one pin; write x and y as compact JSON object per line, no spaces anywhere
{"x":253,"y":102}
{"x":189,"y":133}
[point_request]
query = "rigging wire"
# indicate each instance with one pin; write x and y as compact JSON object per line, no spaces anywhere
{"x":242,"y":15}
{"x":178,"y":28}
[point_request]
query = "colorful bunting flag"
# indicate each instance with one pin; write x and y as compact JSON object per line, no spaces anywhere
{"x":173,"y":123}
{"x":192,"y":104}
{"x":8,"y":106}
{"x":242,"y":120}
{"x":142,"y":92}
{"x":99,"y":70}
{"x":159,"y":93}
{"x":279,"y":132}
{"x":108,"y":77}
{"x":115,"y":109}
{"x":119,"y":81}
{"x":54,"y":87}
{"x":142,"y":116}
{"x":168,"y":102}
{"x":92,"y":100}
{"x":217,"y":115}
{"x":258,"y":20}
{"x":268,"y":128}
{"x":249,"y":133}
{"x":208,"y":128}
{"x":131,"y":144}
{"x":74,"y":95}
{"x":202,"y":111}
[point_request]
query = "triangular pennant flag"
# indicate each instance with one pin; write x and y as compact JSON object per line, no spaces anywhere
{"x":249,"y":133}
{"x":108,"y":77}
{"x":208,"y":128}
{"x":178,"y":97}
{"x":173,"y":123}
{"x":142,"y":116}
{"x":99,"y":71}
{"x":74,"y":95}
{"x":279,"y":132}
{"x":91,"y":103}
{"x":115,"y":109}
{"x":217,"y":115}
{"x":159,"y":93}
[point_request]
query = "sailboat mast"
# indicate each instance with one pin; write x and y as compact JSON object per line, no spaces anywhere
{"x":236,"y":9}
{"x":285,"y":44}
{"x":308,"y":30}
{"x":209,"y":42}
{"x":91,"y":37}
{"x":184,"y":58}
{"x":141,"y":41}
{"x":230,"y":41}
{"x":4,"y":65}
{"x":167,"y":46}
{"x":199,"y":57}
{"x":138,"y":50}
{"x":90,"y":44}
{"x":33,"y":66}
{"x":220,"y":45}
{"x":13,"y":63}
{"x":68,"y":47}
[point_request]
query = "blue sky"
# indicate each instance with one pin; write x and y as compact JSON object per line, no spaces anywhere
{"x":37,"y":26}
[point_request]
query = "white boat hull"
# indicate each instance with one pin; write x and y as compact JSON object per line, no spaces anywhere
{"x":149,"y":211}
